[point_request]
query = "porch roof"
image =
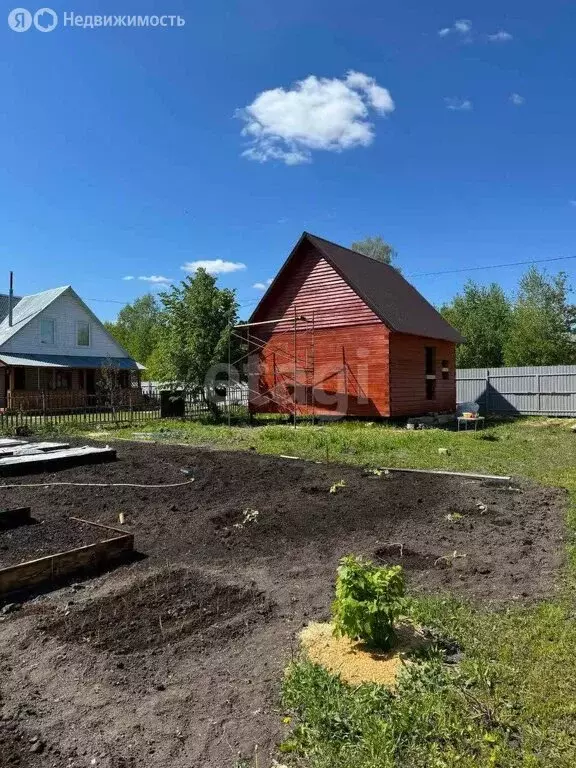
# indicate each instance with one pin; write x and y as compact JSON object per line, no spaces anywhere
{"x":69,"y":361}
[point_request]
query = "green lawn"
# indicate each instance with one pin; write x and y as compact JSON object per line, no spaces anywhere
{"x":512,"y":700}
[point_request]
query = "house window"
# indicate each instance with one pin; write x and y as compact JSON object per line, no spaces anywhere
{"x":82,"y":334}
{"x":63,"y":379}
{"x":445,"y":370}
{"x":430,"y":361}
{"x":430,"y":367}
{"x":47,"y":328}
{"x":19,"y":378}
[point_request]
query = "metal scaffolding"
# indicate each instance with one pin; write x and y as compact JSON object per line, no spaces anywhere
{"x":301,"y":357}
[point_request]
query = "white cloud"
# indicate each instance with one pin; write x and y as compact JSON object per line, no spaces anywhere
{"x":500,"y":37}
{"x":461,"y":27}
{"x":458,"y":105}
{"x":155,"y":279}
{"x":573,"y":203}
{"x":149,"y":278}
{"x":213,"y":266}
{"x":313,"y":114}
{"x":262,"y":286}
{"x":517,"y":100}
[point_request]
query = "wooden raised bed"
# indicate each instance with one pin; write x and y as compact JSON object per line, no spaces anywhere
{"x":53,"y":569}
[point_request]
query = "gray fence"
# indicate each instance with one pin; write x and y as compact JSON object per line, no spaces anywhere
{"x":539,"y":390}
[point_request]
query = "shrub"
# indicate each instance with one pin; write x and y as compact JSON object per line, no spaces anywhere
{"x":369,"y":600}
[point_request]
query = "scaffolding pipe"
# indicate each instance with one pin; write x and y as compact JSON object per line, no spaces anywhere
{"x":295,"y":368}
{"x":229,"y":374}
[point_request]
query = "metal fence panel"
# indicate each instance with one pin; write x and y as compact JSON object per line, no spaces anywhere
{"x":548,"y":390}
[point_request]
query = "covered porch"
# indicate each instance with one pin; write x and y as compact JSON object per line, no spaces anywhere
{"x":42,"y":383}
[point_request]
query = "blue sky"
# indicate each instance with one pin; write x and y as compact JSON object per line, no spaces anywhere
{"x":123,"y":147}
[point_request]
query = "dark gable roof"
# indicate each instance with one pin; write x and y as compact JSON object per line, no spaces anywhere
{"x":397,"y":303}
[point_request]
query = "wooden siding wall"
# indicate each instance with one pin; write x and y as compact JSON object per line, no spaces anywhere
{"x":314,"y":286}
{"x":349,"y":375}
{"x":408,"y":375}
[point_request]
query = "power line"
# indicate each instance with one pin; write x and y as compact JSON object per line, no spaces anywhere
{"x":414,"y":274}
{"x":491,"y":266}
{"x":109,"y":301}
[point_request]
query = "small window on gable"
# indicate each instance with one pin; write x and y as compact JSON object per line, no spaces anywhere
{"x":82,"y":334}
{"x":445,"y":369}
{"x":47,"y":331}
{"x":430,"y":360}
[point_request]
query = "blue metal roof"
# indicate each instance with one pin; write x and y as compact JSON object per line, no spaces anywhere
{"x":69,"y":361}
{"x":26,"y":310}
{"x":5,"y":304}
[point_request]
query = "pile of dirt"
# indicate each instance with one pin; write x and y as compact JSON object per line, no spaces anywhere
{"x":162,"y":609}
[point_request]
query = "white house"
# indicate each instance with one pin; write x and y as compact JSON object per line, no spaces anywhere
{"x":53,"y":346}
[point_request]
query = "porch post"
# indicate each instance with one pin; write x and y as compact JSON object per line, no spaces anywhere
{"x":10,"y":393}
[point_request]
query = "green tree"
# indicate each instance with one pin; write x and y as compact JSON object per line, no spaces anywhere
{"x":482,"y":314}
{"x":196,"y":320}
{"x":376,"y":248}
{"x":137,"y":327}
{"x":542,"y":326}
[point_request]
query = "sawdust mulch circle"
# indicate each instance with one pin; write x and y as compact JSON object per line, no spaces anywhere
{"x":353,"y":660}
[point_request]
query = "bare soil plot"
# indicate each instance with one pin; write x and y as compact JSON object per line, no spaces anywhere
{"x":176,"y":660}
{"x":40,"y":538}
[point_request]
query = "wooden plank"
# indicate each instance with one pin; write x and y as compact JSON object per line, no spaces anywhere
{"x":101,"y":525}
{"x":70,"y":457}
{"x":31,"y":448}
{"x":11,"y":518}
{"x":54,"y":568}
{"x":469,"y":475}
{"x":6,"y":441}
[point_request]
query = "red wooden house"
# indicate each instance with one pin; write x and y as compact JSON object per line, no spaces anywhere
{"x":338,"y":333}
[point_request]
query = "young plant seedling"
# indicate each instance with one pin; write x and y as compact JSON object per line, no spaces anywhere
{"x":449,"y":559}
{"x":369,"y":601}
{"x":453,"y":517}
{"x":248,"y":516}
{"x":336,"y":487}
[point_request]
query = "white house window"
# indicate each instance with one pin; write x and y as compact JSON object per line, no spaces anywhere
{"x":82,"y":334}
{"x":47,"y":328}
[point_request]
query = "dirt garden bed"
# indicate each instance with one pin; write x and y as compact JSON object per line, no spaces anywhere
{"x":39,"y":538}
{"x":175,"y":660}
